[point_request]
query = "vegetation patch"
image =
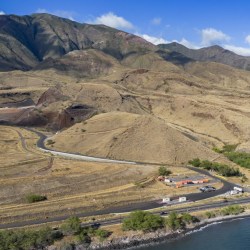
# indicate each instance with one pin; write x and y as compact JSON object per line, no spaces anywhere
{"x":72,"y":226}
{"x":147,"y":222}
{"x":220,"y":168}
{"x":50,"y":142}
{"x":28,"y":239}
{"x":240,"y":158}
{"x":177,"y":221}
{"x":41,"y":239}
{"x":210,"y":215}
{"x":141,"y":220}
{"x":226,"y":148}
{"x":232,"y":210}
{"x":164,"y":171}
{"x":31,"y":198}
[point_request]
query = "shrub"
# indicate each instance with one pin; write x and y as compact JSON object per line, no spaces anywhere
{"x":174,"y":221}
{"x":31,"y":198}
{"x":229,"y":148}
{"x":195,"y":162}
{"x":164,"y":171}
{"x":102,"y":234}
{"x":210,"y":215}
{"x":83,"y":237}
{"x":244,"y":178}
{"x":222,"y":169}
{"x":26,"y":239}
{"x":188,"y":218}
{"x":50,"y":142}
{"x":232,"y":210}
{"x":240,"y":158}
{"x":72,"y":225}
{"x":141,"y":220}
{"x":67,"y":246}
{"x":217,"y":150}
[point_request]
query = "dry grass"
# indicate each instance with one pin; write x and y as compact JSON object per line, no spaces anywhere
{"x":71,"y":186}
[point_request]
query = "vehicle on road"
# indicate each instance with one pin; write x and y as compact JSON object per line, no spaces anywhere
{"x":207,"y":189}
{"x":96,"y":225}
{"x":163,"y":213}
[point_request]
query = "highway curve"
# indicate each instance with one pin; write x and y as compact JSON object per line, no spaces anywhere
{"x":227,"y":186}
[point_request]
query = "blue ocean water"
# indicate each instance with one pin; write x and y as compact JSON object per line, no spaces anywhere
{"x":231,"y":235}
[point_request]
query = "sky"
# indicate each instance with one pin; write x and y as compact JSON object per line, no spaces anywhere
{"x":193,"y":23}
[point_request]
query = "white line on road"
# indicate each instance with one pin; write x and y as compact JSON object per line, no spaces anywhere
{"x":86,"y":158}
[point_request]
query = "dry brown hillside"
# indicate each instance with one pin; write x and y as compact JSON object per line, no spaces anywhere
{"x":133,"y":137}
{"x":203,"y":104}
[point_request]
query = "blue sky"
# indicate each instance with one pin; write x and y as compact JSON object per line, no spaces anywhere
{"x":193,"y":23}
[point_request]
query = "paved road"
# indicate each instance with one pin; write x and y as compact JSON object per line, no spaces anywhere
{"x":40,"y":145}
{"x":178,"y":210}
{"x":128,"y":208}
{"x":118,"y":220}
{"x":227,"y":186}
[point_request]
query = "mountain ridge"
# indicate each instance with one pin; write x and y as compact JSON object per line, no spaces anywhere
{"x":28,"y":40}
{"x":213,"y":53}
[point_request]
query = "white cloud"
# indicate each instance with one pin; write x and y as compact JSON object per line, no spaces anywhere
{"x":156,"y":21}
{"x":160,"y":40}
{"x":153,"y":39}
{"x":62,"y":13}
{"x":112,"y":20}
{"x":247,"y":39}
{"x":187,"y":44}
{"x":2,"y":13}
{"x":212,"y":36}
{"x":238,"y":50}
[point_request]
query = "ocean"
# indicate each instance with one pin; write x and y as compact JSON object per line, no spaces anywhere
{"x":230,"y":235}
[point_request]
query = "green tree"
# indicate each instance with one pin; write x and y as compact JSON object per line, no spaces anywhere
{"x":72,"y":225}
{"x":44,"y":237}
{"x":195,"y":162}
{"x":210,"y":215}
{"x":102,"y":234}
{"x":83,"y":237}
{"x":174,"y":221}
{"x":141,"y":220}
{"x":26,"y":239}
{"x":164,"y":171}
{"x":188,"y":218}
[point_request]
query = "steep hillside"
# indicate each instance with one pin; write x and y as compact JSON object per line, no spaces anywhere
{"x":149,"y":60}
{"x":210,"y":54}
{"x":81,"y":63}
{"x":80,"y":71}
{"x":220,"y":75}
{"x":27,"y":40}
{"x":133,"y":137}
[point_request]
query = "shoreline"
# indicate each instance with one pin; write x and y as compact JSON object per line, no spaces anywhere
{"x":158,"y":237}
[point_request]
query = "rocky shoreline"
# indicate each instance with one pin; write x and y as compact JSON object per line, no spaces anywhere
{"x":157,"y":237}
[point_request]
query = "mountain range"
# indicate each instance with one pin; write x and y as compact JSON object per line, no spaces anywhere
{"x":210,"y":54}
{"x":26,"y":41}
{"x":108,"y":91}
